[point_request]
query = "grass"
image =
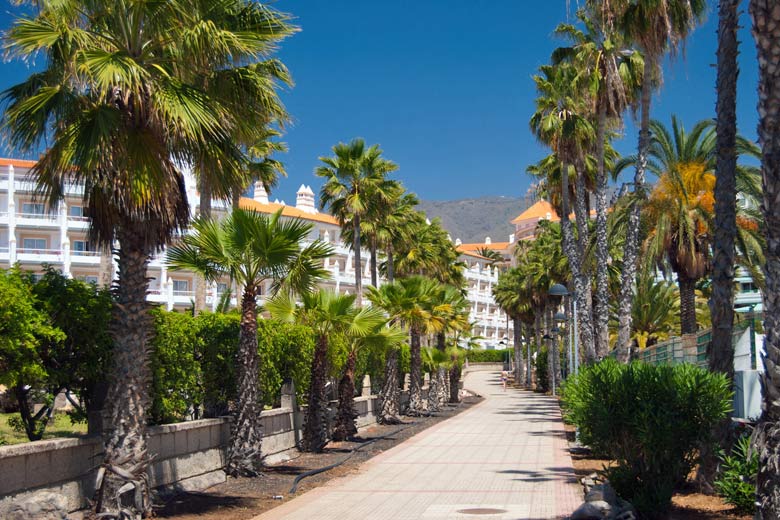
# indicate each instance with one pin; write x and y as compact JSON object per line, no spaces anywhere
{"x":59,"y":427}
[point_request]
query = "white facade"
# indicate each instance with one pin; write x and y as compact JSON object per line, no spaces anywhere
{"x":32,"y":235}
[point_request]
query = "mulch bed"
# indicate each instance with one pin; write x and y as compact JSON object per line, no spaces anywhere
{"x":687,"y":504}
{"x":244,"y":498}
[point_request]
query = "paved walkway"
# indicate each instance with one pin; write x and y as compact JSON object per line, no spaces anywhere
{"x":507,"y":453}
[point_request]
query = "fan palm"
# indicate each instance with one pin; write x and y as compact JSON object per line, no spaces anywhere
{"x":411,"y":302}
{"x":120,"y":106}
{"x":766,"y":32}
{"x":657,"y":27}
{"x":560,"y":122}
{"x":380,"y":338}
{"x":328,"y":314}
{"x":613,"y":73}
{"x":394,"y":230}
{"x":512,"y":294}
{"x":250,"y":248}
{"x":427,"y":250}
{"x":354,"y":181}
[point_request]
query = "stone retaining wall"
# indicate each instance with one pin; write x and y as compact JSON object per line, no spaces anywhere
{"x":188,"y":456}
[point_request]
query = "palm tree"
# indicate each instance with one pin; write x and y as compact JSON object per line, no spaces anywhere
{"x":250,"y":248}
{"x":766,"y":31}
{"x":381,"y":338}
{"x":410,"y":303}
{"x":657,"y":27}
{"x":355,"y":179}
{"x":679,"y":211}
{"x":613,"y":72}
{"x":511,"y":294}
{"x":656,"y":310}
{"x":427,"y":250}
{"x":329,"y":314}
{"x":721,"y":357}
{"x":559,"y":122}
{"x":394,"y":230}
{"x":118,"y":108}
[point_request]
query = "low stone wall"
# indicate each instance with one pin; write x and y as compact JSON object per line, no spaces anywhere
{"x":188,"y":456}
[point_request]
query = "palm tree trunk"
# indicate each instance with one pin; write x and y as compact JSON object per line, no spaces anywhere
{"x":518,"y":350}
{"x":454,"y":383}
{"x":688,"y":304}
{"x":345,"y":427}
{"x":374,"y":270}
{"x":433,"y":392}
{"x":247,"y":435}
{"x":441,"y":341}
{"x":358,"y":261}
{"x":315,"y":430}
{"x":601,"y":302}
{"x":415,"y":367}
{"x":766,"y":30}
{"x":389,"y":407}
{"x":235,"y":201}
{"x":390,"y":264}
{"x":125,"y":441}
{"x":583,"y":285}
{"x":720,"y":353}
{"x":551,"y":351}
{"x":528,"y":375}
{"x":204,"y":190}
{"x":631,"y":246}
{"x":443,"y":387}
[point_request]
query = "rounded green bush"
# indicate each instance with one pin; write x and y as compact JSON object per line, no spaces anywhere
{"x":652,"y":420}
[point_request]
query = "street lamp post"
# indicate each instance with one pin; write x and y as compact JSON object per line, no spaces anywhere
{"x":561,"y":291}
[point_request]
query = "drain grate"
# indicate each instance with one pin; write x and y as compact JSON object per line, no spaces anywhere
{"x":481,"y":511}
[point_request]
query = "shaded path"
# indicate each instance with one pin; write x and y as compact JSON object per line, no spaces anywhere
{"x":508,"y":454}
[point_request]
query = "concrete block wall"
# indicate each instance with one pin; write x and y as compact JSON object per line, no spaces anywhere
{"x":188,"y":456}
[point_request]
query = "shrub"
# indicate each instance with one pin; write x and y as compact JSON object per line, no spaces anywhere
{"x":176,"y":373}
{"x":541,"y":366}
{"x":489,"y":356}
{"x":650,"y":419}
{"x":737,"y":480}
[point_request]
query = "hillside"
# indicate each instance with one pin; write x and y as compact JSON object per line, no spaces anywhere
{"x":472,"y":220}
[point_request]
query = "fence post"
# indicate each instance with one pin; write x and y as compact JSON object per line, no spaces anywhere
{"x":290,"y":401}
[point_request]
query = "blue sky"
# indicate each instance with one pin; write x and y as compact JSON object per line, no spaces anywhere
{"x":444,"y":86}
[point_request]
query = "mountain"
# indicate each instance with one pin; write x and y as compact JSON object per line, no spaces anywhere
{"x":472,"y":220}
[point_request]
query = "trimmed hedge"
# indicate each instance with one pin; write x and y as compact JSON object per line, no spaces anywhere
{"x":193,"y":363}
{"x":489,"y":356}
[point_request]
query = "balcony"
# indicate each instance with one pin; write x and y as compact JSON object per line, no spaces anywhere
{"x":85,"y":257}
{"x":37,"y":220}
{"x":39,"y":256}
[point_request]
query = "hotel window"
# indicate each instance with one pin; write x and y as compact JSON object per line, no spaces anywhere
{"x":29,"y":208}
{"x":34,"y":243}
{"x":222,"y":288}
{"x":181,"y":286}
{"x":76,"y":211}
{"x":81,"y":246}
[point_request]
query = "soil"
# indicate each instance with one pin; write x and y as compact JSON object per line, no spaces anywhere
{"x":244,"y":498}
{"x":687,"y":504}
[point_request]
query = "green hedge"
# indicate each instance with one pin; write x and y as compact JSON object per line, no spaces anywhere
{"x":193,"y":363}
{"x":652,"y":420}
{"x":489,"y":356}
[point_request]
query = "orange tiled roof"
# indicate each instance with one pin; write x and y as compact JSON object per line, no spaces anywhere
{"x":471,"y":253}
{"x":495,"y":246}
{"x":17,"y":163}
{"x":287,"y":211}
{"x":538,"y":210}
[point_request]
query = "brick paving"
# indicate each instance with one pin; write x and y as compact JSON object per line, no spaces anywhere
{"x":505,"y":458}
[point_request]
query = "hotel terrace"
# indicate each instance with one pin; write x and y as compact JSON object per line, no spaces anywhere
{"x":33,"y":235}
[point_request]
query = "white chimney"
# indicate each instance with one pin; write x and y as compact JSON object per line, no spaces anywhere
{"x":458,"y":242}
{"x":512,"y":238}
{"x":488,"y":241}
{"x":305,"y":199}
{"x":261,"y":195}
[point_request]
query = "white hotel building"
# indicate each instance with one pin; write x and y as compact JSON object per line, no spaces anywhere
{"x":31,"y":236}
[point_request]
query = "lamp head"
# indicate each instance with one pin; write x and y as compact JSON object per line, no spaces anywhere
{"x":558,"y":290}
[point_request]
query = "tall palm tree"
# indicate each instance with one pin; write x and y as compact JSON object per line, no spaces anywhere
{"x":510,"y":293}
{"x":394,"y":230}
{"x":118,"y":108}
{"x":613,"y":73}
{"x":766,"y":31}
{"x":250,"y":248}
{"x":725,"y":232}
{"x":560,"y":122}
{"x":680,"y":208}
{"x":410,"y":302}
{"x":658,"y":27}
{"x":354,"y":180}
{"x":427,"y":250}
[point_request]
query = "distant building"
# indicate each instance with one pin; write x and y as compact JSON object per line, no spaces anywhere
{"x":32,"y":235}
